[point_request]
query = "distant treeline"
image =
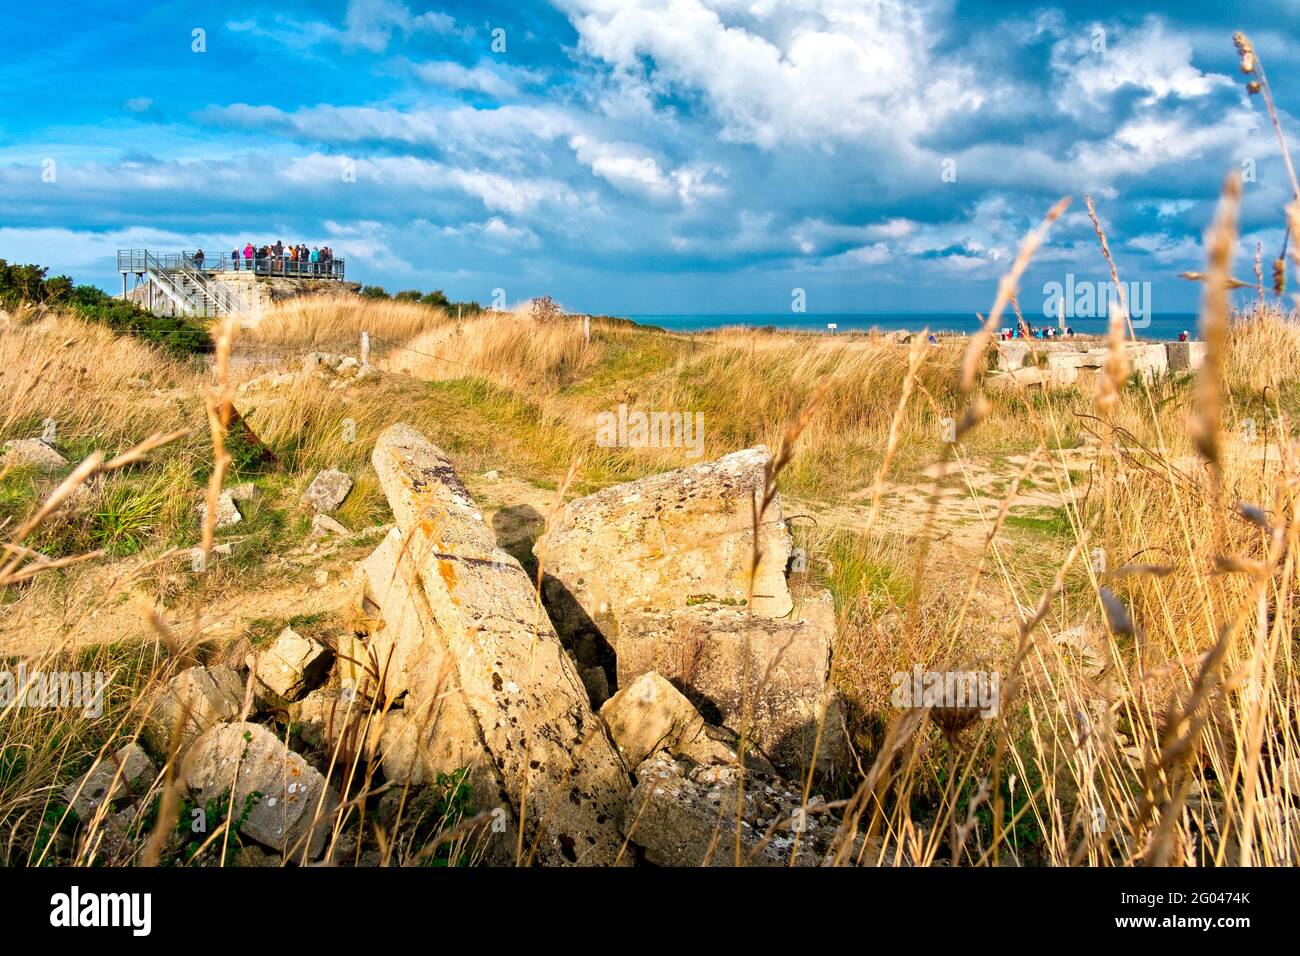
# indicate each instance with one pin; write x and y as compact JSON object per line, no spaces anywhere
{"x":436,"y":299}
{"x":32,"y":285}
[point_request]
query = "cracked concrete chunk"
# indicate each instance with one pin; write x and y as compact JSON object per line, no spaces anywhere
{"x":327,"y":490}
{"x":292,"y":665}
{"x":729,"y":663}
{"x":289,"y":808}
{"x":190,"y":703}
{"x":128,"y":772}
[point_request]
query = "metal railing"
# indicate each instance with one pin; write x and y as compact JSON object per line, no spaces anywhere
{"x":141,"y":260}
{"x":224,"y":299}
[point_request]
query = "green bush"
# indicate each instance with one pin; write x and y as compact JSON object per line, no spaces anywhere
{"x":30,"y":283}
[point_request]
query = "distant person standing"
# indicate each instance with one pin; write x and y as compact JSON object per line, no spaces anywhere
{"x":248,"y":256}
{"x":234,"y":259}
{"x":198,"y":259}
{"x":315,"y":260}
{"x":1182,"y":336}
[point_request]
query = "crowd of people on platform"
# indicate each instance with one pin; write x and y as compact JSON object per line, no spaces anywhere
{"x":299,"y":259}
{"x":1027,"y":331}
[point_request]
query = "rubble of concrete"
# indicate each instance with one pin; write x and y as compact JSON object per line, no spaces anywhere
{"x":292,"y":665}
{"x":128,"y":772}
{"x":448,"y":669}
{"x":764,"y":678}
{"x":190,"y":703}
{"x":663,"y":541}
{"x":655,"y":573}
{"x":1022,"y":363}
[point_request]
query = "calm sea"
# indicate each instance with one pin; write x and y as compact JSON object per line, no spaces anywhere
{"x":1161,"y":327}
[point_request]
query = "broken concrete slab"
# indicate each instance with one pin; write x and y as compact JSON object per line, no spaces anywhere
{"x":129,"y":772}
{"x":1185,"y":356}
{"x":292,"y":665}
{"x":33,"y":453}
{"x":327,"y":490}
{"x":435,"y":732}
{"x":1013,"y":355}
{"x":283,"y":801}
{"x":190,"y":703}
{"x":730,"y":664}
{"x":521,"y":687}
{"x":648,"y":715}
{"x":663,"y":542}
{"x":398,"y":640}
{"x":1059,"y":376}
{"x":323,"y":526}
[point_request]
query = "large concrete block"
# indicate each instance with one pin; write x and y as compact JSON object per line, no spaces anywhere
{"x":554,"y":758}
{"x":289,"y":807}
{"x":1148,"y":359}
{"x":1185,"y":356}
{"x":663,"y":542}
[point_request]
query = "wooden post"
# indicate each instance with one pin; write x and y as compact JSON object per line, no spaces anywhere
{"x":365,"y":349}
{"x":586,"y":328}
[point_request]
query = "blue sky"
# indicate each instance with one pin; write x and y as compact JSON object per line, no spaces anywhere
{"x":634,"y":157}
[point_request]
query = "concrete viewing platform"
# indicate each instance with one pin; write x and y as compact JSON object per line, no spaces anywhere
{"x":189,"y":284}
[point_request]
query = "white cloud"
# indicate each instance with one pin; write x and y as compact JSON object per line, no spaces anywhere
{"x":367,"y":25}
{"x":1148,"y":58}
{"x":495,"y":81}
{"x":785,"y":73}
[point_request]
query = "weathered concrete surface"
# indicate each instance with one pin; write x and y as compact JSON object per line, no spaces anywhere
{"x":1058,"y":376}
{"x":293,"y":815}
{"x":1149,"y":360}
{"x":729,"y":664}
{"x":292,"y":665}
{"x":227,"y":512}
{"x":127,"y":772}
{"x":398,"y":641}
{"x":531,"y":707}
{"x":649,"y":714}
{"x":327,"y":490}
{"x":31,"y":452}
{"x":190,"y":703}
{"x":683,"y":816}
{"x":1012,"y":355}
{"x":1185,"y":356}
{"x":660,"y":542}
{"x":436,"y":731}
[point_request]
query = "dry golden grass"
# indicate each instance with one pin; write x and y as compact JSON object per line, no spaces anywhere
{"x":336,"y":321}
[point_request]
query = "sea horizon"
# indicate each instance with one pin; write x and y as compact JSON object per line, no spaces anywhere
{"x":1163,"y":327}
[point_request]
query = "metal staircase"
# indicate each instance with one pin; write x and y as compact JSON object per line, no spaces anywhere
{"x":185,"y":289}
